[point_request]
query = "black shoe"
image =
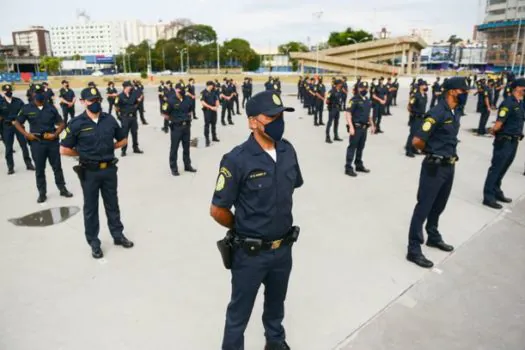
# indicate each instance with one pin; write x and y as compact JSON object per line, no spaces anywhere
{"x":175,"y":173}
{"x":277,"y":346}
{"x":10,"y":171}
{"x":441,"y":246}
{"x":208,"y":143}
{"x":41,"y":198}
{"x":30,"y":167}
{"x":321,"y":123}
{"x":362,"y":169}
{"x":351,"y":173}
{"x":223,"y":123}
{"x":337,"y":138}
{"x":123,"y":154}
{"x":165,"y":130}
{"x":493,"y":205}
{"x":239,"y":113}
{"x":97,"y":253}
{"x":145,"y":123}
{"x":124,"y":242}
{"x":420,"y":260}
{"x":503,"y":199}
{"x":410,"y":155}
{"x":328,"y":140}
{"x":190,"y":169}
{"x":316,"y":124}
{"x":138,"y":151}
{"x":65,"y":193}
{"x":195,"y":118}
{"x":215,"y":139}
{"x":379,"y":131}
{"x":230,"y":122}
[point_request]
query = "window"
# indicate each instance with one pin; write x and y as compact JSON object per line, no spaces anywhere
{"x":495,"y":2}
{"x":497,"y":12}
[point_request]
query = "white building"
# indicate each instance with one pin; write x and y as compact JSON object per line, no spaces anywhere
{"x":37,"y":38}
{"x":86,"y":38}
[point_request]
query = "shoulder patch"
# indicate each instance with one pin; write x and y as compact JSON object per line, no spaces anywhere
{"x":224,"y":171}
{"x":426,"y":126}
{"x":221,"y":180}
{"x":164,"y":106}
{"x":503,"y":112}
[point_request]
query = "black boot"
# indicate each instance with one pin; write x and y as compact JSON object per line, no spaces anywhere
{"x":208,"y":143}
{"x":328,"y":140}
{"x":337,"y":138}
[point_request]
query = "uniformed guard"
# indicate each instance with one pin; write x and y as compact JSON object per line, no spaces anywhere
{"x":413,"y":86}
{"x":235,"y":98}
{"x":111,"y":94}
{"x":210,"y":106}
{"x":320,"y":97}
{"x":277,"y":84}
{"x":247,"y":90}
{"x":395,"y":90}
{"x":417,"y":107}
{"x":268,"y":86}
{"x":436,"y":91}
{"x":161,"y":93}
{"x":177,"y":111}
{"x":126,"y":105}
{"x":258,"y":178}
{"x":91,"y":137}
{"x":484,"y":106}
{"x":359,"y":118}
{"x":67,"y":101}
{"x":379,"y":100}
{"x":508,"y":131}
{"x":138,"y":91}
{"x":334,"y":102}
{"x":9,"y":108}
{"x":498,"y":86}
{"x":373,"y":85}
{"x":310,"y":91}
{"x":190,"y":92}
{"x":344,"y":90}
{"x":30,"y":92}
{"x":389,"y":90}
{"x":226,"y":97}
{"x":45,"y":125}
{"x":49,"y":94}
{"x":437,"y":138}
{"x":299,"y":89}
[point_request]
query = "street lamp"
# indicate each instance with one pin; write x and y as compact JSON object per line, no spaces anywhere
{"x":149,"y":57}
{"x":318,"y":16}
{"x":182,"y":60}
{"x":218,"y":59}
{"x":355,"y":56}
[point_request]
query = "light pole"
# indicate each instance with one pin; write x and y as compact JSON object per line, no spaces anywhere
{"x":163,"y":59}
{"x":394,"y":57}
{"x":517,"y":40}
{"x":149,"y":57}
{"x":317,"y":15}
{"x":182,"y":60}
{"x":355,"y":56}
{"x":188,"y":60}
{"x":218,"y":59}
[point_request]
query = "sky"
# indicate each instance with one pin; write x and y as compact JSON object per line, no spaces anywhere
{"x":264,"y":23}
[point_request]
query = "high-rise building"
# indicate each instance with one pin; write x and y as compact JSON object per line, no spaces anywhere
{"x":37,"y":38}
{"x":86,"y":38}
{"x":503,"y":29}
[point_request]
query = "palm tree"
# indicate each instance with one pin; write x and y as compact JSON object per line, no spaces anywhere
{"x":453,"y":40}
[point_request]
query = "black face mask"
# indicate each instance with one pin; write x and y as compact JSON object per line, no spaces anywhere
{"x":9,"y":93}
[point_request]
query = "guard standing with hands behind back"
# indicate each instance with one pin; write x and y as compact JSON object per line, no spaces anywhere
{"x":126,"y":105}
{"x":97,"y":170}
{"x":210,"y":106}
{"x":258,"y":178}
{"x":67,"y":101}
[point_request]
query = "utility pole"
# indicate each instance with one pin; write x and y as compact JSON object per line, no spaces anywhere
{"x":317,"y":15}
{"x":218,"y":59}
{"x":163,"y":59}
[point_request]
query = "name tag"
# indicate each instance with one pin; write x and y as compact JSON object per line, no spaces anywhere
{"x":257,"y":174}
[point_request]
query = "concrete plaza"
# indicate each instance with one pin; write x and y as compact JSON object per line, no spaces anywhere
{"x":351,"y":287}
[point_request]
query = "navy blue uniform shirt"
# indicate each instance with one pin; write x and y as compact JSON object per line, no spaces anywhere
{"x":67,"y":94}
{"x":440,"y":130}
{"x":359,"y":107}
{"x":111,"y":90}
{"x":227,"y":90}
{"x":418,"y":103}
{"x":49,"y":95}
{"x":178,"y":110}
{"x":40,"y":120}
{"x":9,"y":111}
{"x":380,"y":91}
{"x":127,"y":105}
{"x":435,"y":88}
{"x":485,"y":92}
{"x":334,"y":99}
{"x":210,"y":97}
{"x":512,"y":114}
{"x":260,"y":189}
{"x":93,"y":141}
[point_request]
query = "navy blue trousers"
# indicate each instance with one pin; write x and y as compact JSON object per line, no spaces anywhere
{"x":414,"y":124}
{"x":378,"y":115}
{"x":68,"y":112}
{"x":503,"y":155}
{"x":105,"y":182}
{"x":483,"y":119}
{"x":180,"y":134}
{"x":318,"y":112}
{"x":130,"y":124}
{"x":435,"y":184}
{"x":43,"y":151}
{"x":333,"y":117}
{"x":9,"y":134}
{"x":271,"y":268}
{"x":356,"y":145}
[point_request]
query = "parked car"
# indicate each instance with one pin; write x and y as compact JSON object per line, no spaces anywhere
{"x":166,"y":72}
{"x":97,"y":74}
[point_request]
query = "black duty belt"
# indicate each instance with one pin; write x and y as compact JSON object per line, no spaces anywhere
{"x":509,"y":137}
{"x":184,"y":123}
{"x":360,"y":125}
{"x":440,"y":160}
{"x":96,"y":165}
{"x":256,"y":244}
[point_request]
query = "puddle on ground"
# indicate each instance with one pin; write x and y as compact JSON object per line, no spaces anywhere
{"x":46,"y":217}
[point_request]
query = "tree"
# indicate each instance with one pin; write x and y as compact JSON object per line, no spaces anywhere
{"x":76,"y":57}
{"x":50,"y":65}
{"x":343,"y":38}
{"x":197,"y":34}
{"x":292,"y":46}
{"x":241,"y":51}
{"x":453,"y":40}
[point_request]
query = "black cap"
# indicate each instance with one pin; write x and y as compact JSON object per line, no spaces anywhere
{"x":7,"y":87}
{"x":92,"y":84}
{"x":64,"y":82}
{"x":126,"y":84}
{"x":338,"y":82}
{"x":422,"y":82}
{"x":110,"y":82}
{"x":45,"y":83}
{"x":38,"y":89}
{"x":169,"y":82}
{"x":209,"y":82}
{"x":90,"y":93}
{"x":455,"y":83}
{"x":518,"y":83}
{"x":362,"y":85}
{"x":268,"y":103}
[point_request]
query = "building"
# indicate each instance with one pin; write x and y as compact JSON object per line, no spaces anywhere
{"x":464,"y":55}
{"x":86,"y":38}
{"x":423,"y":33}
{"x":134,"y":32}
{"x":504,"y":31}
{"x":37,"y":38}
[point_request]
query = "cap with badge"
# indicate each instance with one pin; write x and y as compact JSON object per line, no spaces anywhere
{"x":7,"y":87}
{"x":338,"y":82}
{"x":126,"y":84}
{"x":455,"y":83}
{"x":267,"y":103}
{"x":90,"y":94}
{"x":363,"y":85}
{"x":518,"y":83}
{"x":422,"y":82}
{"x":38,"y":89}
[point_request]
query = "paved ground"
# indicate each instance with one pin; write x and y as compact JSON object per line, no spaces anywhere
{"x":171,"y":292}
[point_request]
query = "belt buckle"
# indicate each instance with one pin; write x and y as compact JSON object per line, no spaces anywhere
{"x":452,"y":160}
{"x":103,"y":165}
{"x":276,"y":244}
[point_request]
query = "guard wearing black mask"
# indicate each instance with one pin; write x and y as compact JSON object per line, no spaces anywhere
{"x":67,"y":101}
